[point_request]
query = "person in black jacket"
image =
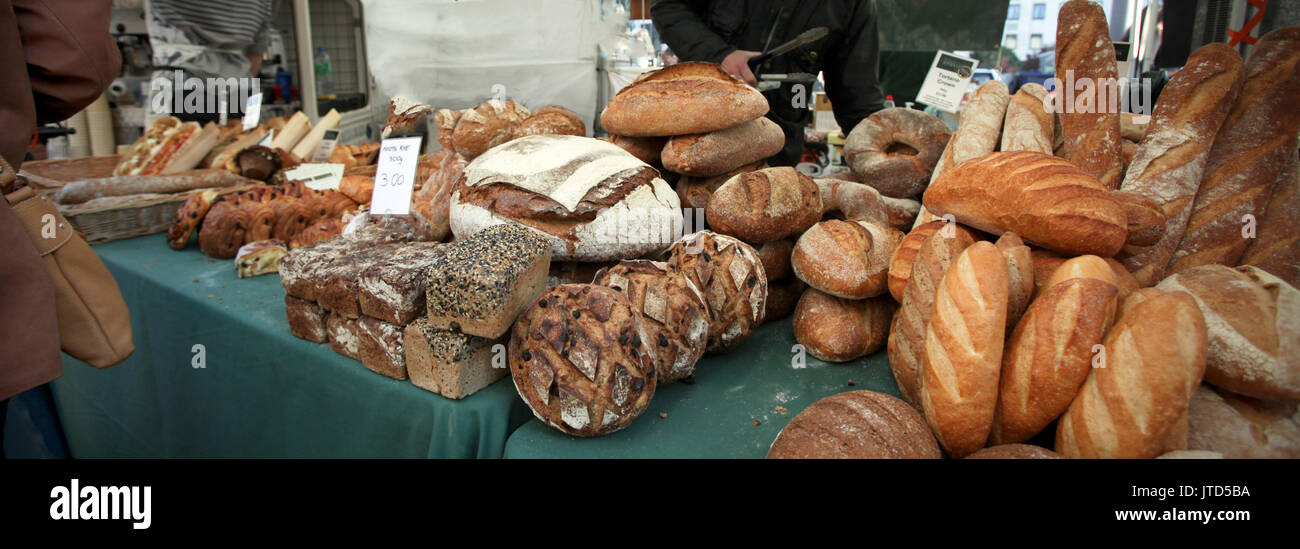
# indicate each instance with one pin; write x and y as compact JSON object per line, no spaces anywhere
{"x":732,"y":32}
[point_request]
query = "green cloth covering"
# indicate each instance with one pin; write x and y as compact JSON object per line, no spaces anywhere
{"x":263,"y":392}
{"x":714,"y":418}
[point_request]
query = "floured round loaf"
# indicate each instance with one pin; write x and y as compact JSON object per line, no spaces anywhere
{"x":848,"y":259}
{"x":489,"y":124}
{"x":765,"y":205}
{"x":715,"y":153}
{"x":856,"y":425}
{"x":674,"y":317}
{"x":731,"y":276}
{"x":682,"y":99}
{"x":591,"y":200}
{"x":580,"y":359}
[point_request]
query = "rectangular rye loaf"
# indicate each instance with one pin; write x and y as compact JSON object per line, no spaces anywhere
{"x":336,"y":283}
{"x":450,"y":363}
{"x":392,"y":289}
{"x":306,"y":319}
{"x":381,"y":348}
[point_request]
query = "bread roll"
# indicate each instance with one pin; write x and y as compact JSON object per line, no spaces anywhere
{"x":681,"y":99}
{"x":1252,"y":150}
{"x":1155,"y":357}
{"x":1091,"y":124}
{"x":1049,"y":355}
{"x":900,"y":263}
{"x":1254,"y":329}
{"x":835,"y":329}
{"x":848,"y":259}
{"x":1240,"y":427}
{"x":894,"y":150}
{"x":1276,"y":248}
{"x":856,"y":425}
{"x":1028,"y":125}
{"x":1170,"y":160}
{"x":908,"y":331}
{"x":721,"y":151}
{"x":1045,"y":200}
{"x":963,"y":349}
{"x":765,"y":205}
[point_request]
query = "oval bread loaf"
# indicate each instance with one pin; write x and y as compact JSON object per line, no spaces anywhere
{"x":856,"y":425}
{"x":835,"y":329}
{"x":731,"y":277}
{"x":674,"y":317}
{"x":721,"y":151}
{"x":682,"y":99}
{"x":765,"y":205}
{"x":848,"y":259}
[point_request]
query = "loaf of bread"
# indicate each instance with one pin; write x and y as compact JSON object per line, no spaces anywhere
{"x":894,"y":150}
{"x":357,"y":187}
{"x":551,"y":120}
{"x":765,"y":205}
{"x":978,"y":129}
{"x":646,"y":149}
{"x":1015,"y":451}
{"x":1241,"y":427}
{"x":306,"y":319}
{"x":1276,"y":247}
{"x":908,"y":330}
{"x":405,"y":116}
{"x":1090,"y":122}
{"x":963,"y":350}
{"x":1047,"y":264}
{"x":900,"y":263}
{"x":674,"y":317}
{"x":1132,"y":127}
{"x":1170,"y":160}
{"x":682,"y":99}
{"x":782,"y":298}
{"x":1049,"y":355}
{"x":856,"y":425}
{"x":483,"y":282}
{"x":580,"y":360}
{"x":858,"y":202}
{"x":450,"y":363}
{"x":344,"y":335}
{"x":337,"y":287}
{"x":1252,"y":150}
{"x":1046,"y":200}
{"x":695,"y":192}
{"x":1146,"y":218}
{"x":835,"y":329}
{"x":1020,"y":273}
{"x":848,"y":259}
{"x":392,"y":289}
{"x":1028,"y":125}
{"x":775,"y":256}
{"x":445,"y":120}
{"x":382,"y":350}
{"x":718,"y":152}
{"x":1131,"y":408}
{"x":487,"y":125}
{"x":731,"y":277}
{"x":1254,"y":329}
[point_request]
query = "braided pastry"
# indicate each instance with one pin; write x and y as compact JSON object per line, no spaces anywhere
{"x":188,"y":218}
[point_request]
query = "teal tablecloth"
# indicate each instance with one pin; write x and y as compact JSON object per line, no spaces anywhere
{"x":715,"y":417}
{"x":262,"y":392}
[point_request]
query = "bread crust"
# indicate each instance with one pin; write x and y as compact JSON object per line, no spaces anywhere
{"x":766,"y":205}
{"x":1091,"y":130}
{"x":895,"y":150}
{"x":835,"y":329}
{"x":856,"y":424}
{"x":719,"y":152}
{"x":681,"y":99}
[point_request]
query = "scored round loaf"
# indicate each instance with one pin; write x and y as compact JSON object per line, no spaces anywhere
{"x":1241,"y":427}
{"x":895,"y":150}
{"x":847,"y":259}
{"x":731,"y":277}
{"x":487,"y":125}
{"x":835,"y":329}
{"x":592,"y":200}
{"x":551,"y":120}
{"x":716,"y":153}
{"x":646,"y":149}
{"x":782,"y":297}
{"x":695,"y":192}
{"x":900,"y":263}
{"x":765,"y":205}
{"x":1015,"y":451}
{"x":674,"y":318}
{"x":1254,"y":328}
{"x":579,"y":359}
{"x":682,"y":99}
{"x":856,"y":425}
{"x":445,"y":120}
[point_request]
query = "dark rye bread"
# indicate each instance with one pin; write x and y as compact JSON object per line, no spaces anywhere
{"x":674,"y":317}
{"x":483,"y":282}
{"x":856,"y":425}
{"x":344,"y":335}
{"x":581,"y":361}
{"x":715,"y":153}
{"x":300,"y":267}
{"x":682,"y":99}
{"x":336,"y":283}
{"x":450,"y":363}
{"x":392,"y":289}
{"x":306,"y":319}
{"x":381,"y":347}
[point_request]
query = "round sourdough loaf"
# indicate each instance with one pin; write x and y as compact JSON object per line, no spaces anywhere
{"x":895,"y":150}
{"x":731,"y":276}
{"x":856,"y":425}
{"x":716,"y":153}
{"x":646,"y":149}
{"x":674,"y":317}
{"x":682,"y":99}
{"x":835,"y":329}
{"x":848,"y":259}
{"x":782,"y":297}
{"x":765,"y":205}
{"x":551,"y":120}
{"x":580,"y":359}
{"x":591,"y":199}
{"x":489,"y":124}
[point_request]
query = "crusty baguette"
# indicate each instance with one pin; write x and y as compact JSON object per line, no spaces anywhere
{"x":900,"y":264}
{"x":123,"y":185}
{"x":1276,"y":247}
{"x":765,"y":205}
{"x":1028,"y":125}
{"x":835,"y":329}
{"x":1046,"y":264}
{"x":963,"y":349}
{"x":715,"y":153}
{"x":1020,"y":275}
{"x":1252,"y":150}
{"x":1049,"y":355}
{"x":682,"y":99}
{"x":907,"y":331}
{"x":1046,"y":200}
{"x":1170,"y":160}
{"x":1131,"y":408}
{"x":1091,"y":124}
{"x":979,"y":127}
{"x":1254,"y":328}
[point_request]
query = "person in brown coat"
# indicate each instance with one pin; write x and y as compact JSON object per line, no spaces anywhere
{"x":55,"y":59}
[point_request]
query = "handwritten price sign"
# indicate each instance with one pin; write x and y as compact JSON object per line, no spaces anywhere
{"x":395,"y":176}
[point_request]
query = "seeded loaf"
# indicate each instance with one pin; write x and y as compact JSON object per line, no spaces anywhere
{"x":482,"y":283}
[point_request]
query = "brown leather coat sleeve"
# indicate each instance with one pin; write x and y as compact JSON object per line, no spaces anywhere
{"x":71,"y":57}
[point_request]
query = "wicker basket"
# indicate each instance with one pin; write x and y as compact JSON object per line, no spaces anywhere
{"x":52,"y":174}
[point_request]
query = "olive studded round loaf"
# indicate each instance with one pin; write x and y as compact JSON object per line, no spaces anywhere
{"x":580,"y":360}
{"x":856,"y":425}
{"x":732,"y":279}
{"x":673,"y":314}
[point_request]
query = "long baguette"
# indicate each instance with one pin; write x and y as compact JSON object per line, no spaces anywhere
{"x":977,"y":132}
{"x":1253,"y":148}
{"x":1091,"y":124}
{"x":1028,"y":125}
{"x":1276,"y":248}
{"x":88,"y":189}
{"x":1170,"y":160}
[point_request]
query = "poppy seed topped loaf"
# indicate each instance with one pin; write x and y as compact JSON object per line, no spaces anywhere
{"x":483,"y":282}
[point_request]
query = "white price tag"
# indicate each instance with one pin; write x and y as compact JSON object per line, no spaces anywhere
{"x":265,"y":141}
{"x":317,"y":176}
{"x":394,"y":177}
{"x":252,"y":111}
{"x":326,"y":147}
{"x":947,"y":81}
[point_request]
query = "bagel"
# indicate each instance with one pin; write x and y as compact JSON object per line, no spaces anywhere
{"x":896,"y":149}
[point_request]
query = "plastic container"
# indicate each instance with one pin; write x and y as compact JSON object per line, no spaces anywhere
{"x":889,"y":101}
{"x":324,"y":72}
